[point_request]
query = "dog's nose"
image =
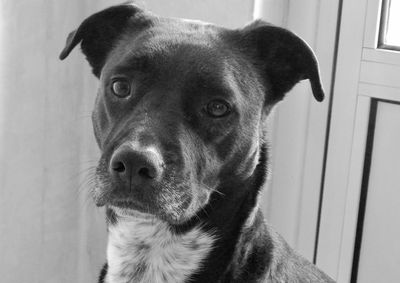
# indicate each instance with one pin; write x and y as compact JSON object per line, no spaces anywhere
{"x":136,"y":167}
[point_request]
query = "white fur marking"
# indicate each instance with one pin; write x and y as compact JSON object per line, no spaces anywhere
{"x":144,"y":250}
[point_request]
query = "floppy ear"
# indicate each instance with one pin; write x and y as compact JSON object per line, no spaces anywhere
{"x":283,"y":58}
{"x":99,"y":32}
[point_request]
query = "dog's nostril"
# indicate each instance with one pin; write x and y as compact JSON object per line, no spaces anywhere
{"x":145,"y":173}
{"x":119,"y":167}
{"x":129,"y":166}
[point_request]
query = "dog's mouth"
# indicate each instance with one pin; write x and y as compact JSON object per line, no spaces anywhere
{"x":126,"y":204}
{"x":125,"y":211}
{"x":174,"y":204}
{"x":113,"y":197}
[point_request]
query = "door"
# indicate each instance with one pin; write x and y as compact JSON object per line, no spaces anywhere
{"x":359,"y":223}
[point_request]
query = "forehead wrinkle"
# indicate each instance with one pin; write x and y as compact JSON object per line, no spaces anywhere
{"x":135,"y":62}
{"x":127,"y":57}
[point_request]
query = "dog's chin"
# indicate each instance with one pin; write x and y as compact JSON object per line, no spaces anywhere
{"x":173,"y":210}
{"x":126,"y":213}
{"x":129,"y":214}
{"x":130,"y":210}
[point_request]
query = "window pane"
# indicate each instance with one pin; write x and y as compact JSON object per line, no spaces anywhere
{"x":391,"y":24}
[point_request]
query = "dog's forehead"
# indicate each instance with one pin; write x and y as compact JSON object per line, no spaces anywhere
{"x":170,"y":43}
{"x":182,"y":30}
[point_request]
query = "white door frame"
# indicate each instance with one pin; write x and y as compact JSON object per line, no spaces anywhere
{"x":365,"y":75}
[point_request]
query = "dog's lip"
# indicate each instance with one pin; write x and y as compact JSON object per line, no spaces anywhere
{"x":129,"y":212}
{"x":115,"y":197}
{"x":125,"y":203}
{"x":128,"y":208}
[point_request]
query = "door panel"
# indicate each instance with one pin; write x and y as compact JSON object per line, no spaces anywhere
{"x":379,"y":254}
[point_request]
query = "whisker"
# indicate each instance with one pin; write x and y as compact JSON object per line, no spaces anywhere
{"x":212,"y":189}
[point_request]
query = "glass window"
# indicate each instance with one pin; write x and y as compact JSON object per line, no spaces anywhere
{"x":389,"y":37}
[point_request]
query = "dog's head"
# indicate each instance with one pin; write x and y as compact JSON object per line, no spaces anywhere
{"x":181,"y":105}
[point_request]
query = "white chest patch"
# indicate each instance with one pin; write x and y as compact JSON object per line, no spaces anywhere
{"x":145,"y":250}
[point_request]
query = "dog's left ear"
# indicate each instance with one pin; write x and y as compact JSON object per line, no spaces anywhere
{"x":99,"y":32}
{"x":283,"y":59}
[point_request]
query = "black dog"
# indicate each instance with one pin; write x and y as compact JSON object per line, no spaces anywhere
{"x":180,"y":120}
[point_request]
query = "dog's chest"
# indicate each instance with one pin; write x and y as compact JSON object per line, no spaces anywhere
{"x":147,"y":251}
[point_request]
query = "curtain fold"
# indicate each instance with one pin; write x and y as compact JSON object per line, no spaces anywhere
{"x":50,"y":231}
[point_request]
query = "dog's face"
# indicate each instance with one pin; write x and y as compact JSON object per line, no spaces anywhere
{"x":181,"y":105}
{"x":174,"y":96}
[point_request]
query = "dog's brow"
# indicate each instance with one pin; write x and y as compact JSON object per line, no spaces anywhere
{"x":134,"y":63}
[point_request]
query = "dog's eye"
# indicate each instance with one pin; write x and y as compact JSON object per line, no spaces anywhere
{"x":218,"y":108}
{"x":121,"y":88}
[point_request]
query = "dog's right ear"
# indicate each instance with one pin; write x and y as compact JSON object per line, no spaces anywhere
{"x":282,"y":57}
{"x":99,"y":32}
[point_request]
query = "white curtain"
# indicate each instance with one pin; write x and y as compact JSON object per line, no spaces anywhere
{"x":49,"y":229}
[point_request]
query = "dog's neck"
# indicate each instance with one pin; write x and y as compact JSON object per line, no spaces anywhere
{"x":146,"y":250}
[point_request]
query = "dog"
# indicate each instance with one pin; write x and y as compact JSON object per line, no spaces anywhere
{"x":180,"y":121}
